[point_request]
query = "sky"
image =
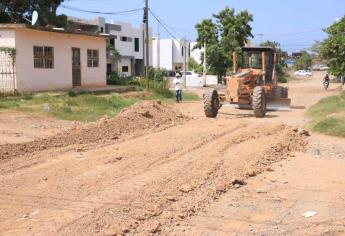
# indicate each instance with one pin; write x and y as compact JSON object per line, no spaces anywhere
{"x":295,"y":24}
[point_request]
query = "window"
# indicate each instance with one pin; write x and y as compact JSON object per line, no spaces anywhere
{"x":43,"y":57}
{"x":92,"y":58}
{"x":124,"y":68}
{"x":125,"y":39}
{"x":182,"y":51}
{"x":136,"y":44}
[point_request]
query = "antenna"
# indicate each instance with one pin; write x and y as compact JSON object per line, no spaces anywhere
{"x":34,"y":18}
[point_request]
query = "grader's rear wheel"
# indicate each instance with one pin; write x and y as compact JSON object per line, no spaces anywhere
{"x":281,"y":92}
{"x":259,"y":102}
{"x":211,"y":104}
{"x":285,"y":92}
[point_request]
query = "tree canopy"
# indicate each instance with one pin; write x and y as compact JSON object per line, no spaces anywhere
{"x":304,"y":62}
{"x":333,"y":48}
{"x":224,"y":34}
{"x":17,"y":11}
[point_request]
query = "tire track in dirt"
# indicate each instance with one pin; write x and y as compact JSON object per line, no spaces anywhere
{"x":161,"y":206}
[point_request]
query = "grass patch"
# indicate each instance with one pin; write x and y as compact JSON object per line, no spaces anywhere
{"x":82,"y":107}
{"x":328,"y":116}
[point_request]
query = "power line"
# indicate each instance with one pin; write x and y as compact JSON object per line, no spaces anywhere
{"x":102,"y":13}
{"x":291,"y":33}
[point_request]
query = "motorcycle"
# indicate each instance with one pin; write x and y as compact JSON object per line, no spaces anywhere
{"x":326,"y":84}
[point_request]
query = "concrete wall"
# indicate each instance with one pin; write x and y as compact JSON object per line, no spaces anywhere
{"x":7,"y":38}
{"x":170,"y":53}
{"x":60,"y":77}
{"x":166,"y":55}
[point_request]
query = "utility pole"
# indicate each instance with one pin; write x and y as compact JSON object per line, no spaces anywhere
{"x":261,"y":37}
{"x":205,"y":65}
{"x":158,"y":49}
{"x":147,"y":43}
{"x":185,"y":62}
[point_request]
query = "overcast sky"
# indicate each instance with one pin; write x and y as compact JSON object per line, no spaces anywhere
{"x":296,"y":24}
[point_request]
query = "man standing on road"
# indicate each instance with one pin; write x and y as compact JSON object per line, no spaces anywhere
{"x":178,"y":82}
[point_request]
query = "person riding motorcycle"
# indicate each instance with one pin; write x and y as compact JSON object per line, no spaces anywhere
{"x":326,"y":81}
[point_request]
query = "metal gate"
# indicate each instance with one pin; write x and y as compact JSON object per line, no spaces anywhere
{"x":7,"y":73}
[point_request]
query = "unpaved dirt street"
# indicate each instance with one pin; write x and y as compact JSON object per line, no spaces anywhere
{"x":153,"y":170}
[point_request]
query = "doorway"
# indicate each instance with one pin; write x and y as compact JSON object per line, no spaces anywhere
{"x":76,"y":67}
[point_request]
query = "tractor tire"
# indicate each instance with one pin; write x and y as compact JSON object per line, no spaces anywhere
{"x":285,"y":92}
{"x":279,"y":92}
{"x":211,"y":104}
{"x":259,"y":102}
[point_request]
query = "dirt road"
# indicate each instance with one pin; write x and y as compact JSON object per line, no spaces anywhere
{"x":177,"y":174}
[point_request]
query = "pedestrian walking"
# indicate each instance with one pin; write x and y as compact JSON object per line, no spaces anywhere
{"x":342,"y":80}
{"x":178,"y":82}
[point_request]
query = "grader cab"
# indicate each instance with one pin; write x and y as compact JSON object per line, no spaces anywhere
{"x":253,"y":85}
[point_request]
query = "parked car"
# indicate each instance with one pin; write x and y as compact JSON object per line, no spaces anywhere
{"x":303,"y":73}
{"x":191,"y":74}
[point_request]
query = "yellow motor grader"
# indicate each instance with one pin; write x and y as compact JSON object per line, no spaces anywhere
{"x":253,"y":85}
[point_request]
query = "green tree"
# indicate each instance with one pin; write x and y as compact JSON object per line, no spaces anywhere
{"x":304,"y":62}
{"x":226,"y":35}
{"x":316,"y":48}
{"x":333,"y":49}
{"x":17,"y":11}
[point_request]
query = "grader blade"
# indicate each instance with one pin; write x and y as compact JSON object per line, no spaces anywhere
{"x":279,"y":104}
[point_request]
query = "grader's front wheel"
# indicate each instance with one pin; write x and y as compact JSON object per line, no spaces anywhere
{"x":259,"y":102}
{"x":211,"y":103}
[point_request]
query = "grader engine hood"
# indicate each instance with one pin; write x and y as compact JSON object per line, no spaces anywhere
{"x":239,"y":86}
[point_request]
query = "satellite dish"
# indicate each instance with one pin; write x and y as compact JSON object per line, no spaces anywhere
{"x":34,"y":18}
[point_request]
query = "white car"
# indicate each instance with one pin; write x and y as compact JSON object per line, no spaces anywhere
{"x":303,"y":73}
{"x":193,"y":79}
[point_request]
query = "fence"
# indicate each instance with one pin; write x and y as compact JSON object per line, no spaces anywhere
{"x":7,"y":72}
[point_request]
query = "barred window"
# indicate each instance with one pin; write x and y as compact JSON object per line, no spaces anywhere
{"x":43,"y":57}
{"x":92,"y":58}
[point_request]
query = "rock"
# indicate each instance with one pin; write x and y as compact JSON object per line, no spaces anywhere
{"x":181,"y":216}
{"x":304,"y":132}
{"x":79,"y":149}
{"x":45,"y":179}
{"x":171,"y":198}
{"x":295,"y":129}
{"x":185,"y":188}
{"x":119,"y":158}
{"x":237,"y":186}
{"x":251,"y":173}
{"x":115,"y":137}
{"x":238,"y":182}
{"x":221,"y":188}
{"x":269,"y":169}
{"x":25,"y":216}
{"x":154,"y":227}
{"x":159,"y":102}
{"x":261,"y":191}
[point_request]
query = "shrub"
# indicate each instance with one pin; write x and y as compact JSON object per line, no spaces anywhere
{"x":115,"y":78}
{"x":72,"y":93}
{"x":26,"y":95}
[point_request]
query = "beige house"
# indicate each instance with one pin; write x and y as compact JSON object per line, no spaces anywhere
{"x":51,"y":59}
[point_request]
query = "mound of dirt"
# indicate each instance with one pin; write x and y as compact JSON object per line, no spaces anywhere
{"x":141,"y":116}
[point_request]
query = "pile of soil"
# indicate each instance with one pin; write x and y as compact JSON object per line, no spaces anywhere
{"x":141,"y":116}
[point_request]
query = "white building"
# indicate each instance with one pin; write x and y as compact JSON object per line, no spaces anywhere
{"x":51,"y":59}
{"x":172,"y":53}
{"x":129,"y":41}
